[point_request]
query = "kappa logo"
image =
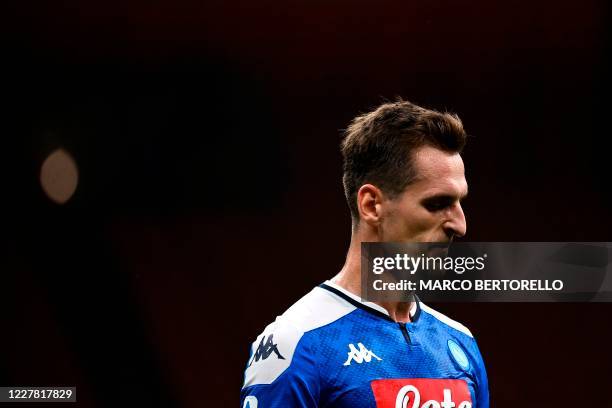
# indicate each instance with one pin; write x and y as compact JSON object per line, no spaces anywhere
{"x":360,"y":355}
{"x":250,"y":402}
{"x":264,"y":350}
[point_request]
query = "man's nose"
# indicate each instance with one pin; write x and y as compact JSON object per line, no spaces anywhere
{"x":455,"y":224}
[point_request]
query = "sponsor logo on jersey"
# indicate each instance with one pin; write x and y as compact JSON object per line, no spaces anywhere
{"x":421,"y":393}
{"x":265,"y":349}
{"x":359,"y":355}
{"x":250,"y":402}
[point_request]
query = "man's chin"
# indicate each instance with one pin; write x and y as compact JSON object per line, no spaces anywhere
{"x":437,"y":248}
{"x":427,"y":248}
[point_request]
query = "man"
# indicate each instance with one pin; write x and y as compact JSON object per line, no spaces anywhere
{"x":404,"y":182}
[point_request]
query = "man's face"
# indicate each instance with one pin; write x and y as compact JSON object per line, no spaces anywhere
{"x":429,"y":209}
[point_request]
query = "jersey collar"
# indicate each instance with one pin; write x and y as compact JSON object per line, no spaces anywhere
{"x":415,"y":309}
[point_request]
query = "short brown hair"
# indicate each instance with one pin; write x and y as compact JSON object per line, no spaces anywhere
{"x":378,"y":146}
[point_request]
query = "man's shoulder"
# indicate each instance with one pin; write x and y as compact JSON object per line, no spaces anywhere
{"x":275,"y":348}
{"x":444,"y":321}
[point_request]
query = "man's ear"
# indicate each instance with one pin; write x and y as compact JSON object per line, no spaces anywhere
{"x":369,"y":200}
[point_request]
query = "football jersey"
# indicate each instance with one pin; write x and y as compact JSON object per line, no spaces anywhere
{"x":331,"y":349}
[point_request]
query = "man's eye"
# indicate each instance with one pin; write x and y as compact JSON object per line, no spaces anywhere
{"x":436,"y":205}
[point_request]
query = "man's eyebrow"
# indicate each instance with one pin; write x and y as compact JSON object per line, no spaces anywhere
{"x":445,"y":196}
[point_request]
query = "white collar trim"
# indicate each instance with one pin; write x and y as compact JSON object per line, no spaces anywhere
{"x":372,"y":305}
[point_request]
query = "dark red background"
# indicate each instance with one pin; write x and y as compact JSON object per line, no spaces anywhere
{"x":206,"y":135}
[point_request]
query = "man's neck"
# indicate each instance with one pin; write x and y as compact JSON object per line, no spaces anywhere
{"x":349,"y":278}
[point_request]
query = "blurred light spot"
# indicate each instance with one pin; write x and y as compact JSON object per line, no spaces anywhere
{"x":59,"y":176}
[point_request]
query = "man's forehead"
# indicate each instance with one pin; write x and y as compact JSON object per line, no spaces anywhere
{"x":440,"y":170}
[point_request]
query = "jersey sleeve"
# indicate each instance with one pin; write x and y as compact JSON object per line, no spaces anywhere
{"x":281,"y":371}
{"x":482,"y":381}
